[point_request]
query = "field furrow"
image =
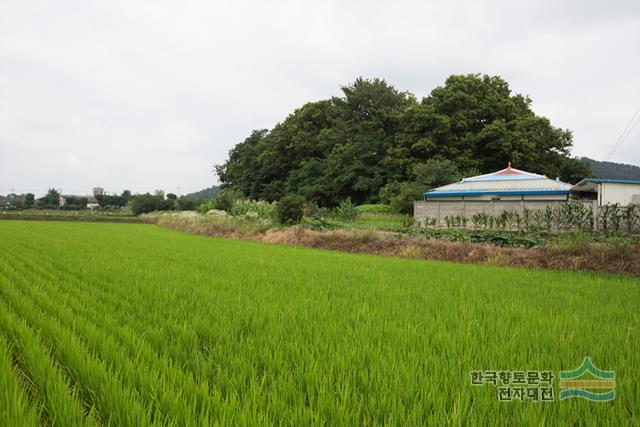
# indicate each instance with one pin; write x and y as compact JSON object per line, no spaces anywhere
{"x":58,"y":399}
{"x":138,"y":325}
{"x":162,"y":385}
{"x":15,"y":407}
{"x":97,"y":386}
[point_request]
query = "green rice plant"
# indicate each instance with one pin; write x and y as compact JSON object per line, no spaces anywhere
{"x":15,"y":409}
{"x":146,"y":325}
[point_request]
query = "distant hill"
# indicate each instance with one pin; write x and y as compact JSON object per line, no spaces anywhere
{"x":207,"y":192}
{"x":612,"y":170}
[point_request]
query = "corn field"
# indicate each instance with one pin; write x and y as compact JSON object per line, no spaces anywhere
{"x":610,"y":219}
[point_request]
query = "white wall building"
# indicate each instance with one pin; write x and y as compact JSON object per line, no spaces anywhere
{"x":505,"y":184}
{"x":622,"y":191}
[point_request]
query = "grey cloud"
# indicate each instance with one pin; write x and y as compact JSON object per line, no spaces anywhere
{"x":145,"y":95}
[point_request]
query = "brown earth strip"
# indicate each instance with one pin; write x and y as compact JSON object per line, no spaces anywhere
{"x":598,"y":256}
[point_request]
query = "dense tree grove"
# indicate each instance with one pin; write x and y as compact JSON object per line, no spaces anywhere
{"x":375,"y":142}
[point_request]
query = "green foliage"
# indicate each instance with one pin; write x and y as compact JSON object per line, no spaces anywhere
{"x":29,"y":200}
{"x":75,"y":203}
{"x":424,"y":176}
{"x":346,"y":211}
{"x":249,"y":209}
{"x":290,"y":210}
{"x":189,"y":203}
{"x":502,"y":238}
{"x":630,"y":216}
{"x":576,"y":243}
{"x":371,"y":144}
{"x":108,"y":201}
{"x":374,"y":209}
{"x":205,"y":207}
{"x":49,"y":201}
{"x":145,"y":203}
{"x":139,"y":325}
{"x":225,"y":200}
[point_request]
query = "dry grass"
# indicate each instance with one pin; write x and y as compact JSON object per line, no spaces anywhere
{"x":604,"y":257}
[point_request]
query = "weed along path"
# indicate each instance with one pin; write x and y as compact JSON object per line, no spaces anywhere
{"x":133,"y":324}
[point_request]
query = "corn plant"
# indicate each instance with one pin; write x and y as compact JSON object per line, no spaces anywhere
{"x":630,"y":216}
{"x":538,"y":219}
{"x":480,"y":220}
{"x":527,"y":219}
{"x":548,"y":217}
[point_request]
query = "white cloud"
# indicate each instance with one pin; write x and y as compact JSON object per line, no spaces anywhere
{"x":145,"y":95}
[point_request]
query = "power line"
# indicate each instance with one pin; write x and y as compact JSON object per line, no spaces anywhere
{"x":625,"y":133}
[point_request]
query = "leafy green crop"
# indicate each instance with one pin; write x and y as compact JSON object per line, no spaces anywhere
{"x":131,"y":324}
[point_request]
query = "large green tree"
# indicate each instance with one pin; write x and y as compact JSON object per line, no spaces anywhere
{"x":374,"y":138}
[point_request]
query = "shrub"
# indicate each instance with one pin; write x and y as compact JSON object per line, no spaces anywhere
{"x":576,"y":243}
{"x":205,"y":207}
{"x":225,"y":200}
{"x":144,"y":203}
{"x":314,"y":212}
{"x":290,"y":209}
{"x":252,"y":209}
{"x":346,"y":211}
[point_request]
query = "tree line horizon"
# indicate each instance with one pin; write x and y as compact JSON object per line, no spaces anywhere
{"x":376,"y":144}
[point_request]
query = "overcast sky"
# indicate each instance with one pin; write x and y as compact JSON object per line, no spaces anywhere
{"x":149,"y":95}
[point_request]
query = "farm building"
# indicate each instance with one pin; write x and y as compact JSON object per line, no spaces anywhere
{"x":505,"y":184}
{"x":604,"y":191}
{"x":507,"y":189}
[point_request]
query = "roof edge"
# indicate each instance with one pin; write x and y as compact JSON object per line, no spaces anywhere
{"x":611,"y":180}
{"x":445,"y":193}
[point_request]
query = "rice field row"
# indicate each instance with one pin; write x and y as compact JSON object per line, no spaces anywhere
{"x":130,"y":324}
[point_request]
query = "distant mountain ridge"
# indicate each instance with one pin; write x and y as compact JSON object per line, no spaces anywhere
{"x":208,"y":193}
{"x":611,"y":170}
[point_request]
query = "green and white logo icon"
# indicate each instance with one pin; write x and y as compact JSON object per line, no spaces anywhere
{"x":588,"y":382}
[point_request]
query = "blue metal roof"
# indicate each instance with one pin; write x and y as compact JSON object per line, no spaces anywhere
{"x":506,"y":177}
{"x":483,"y":193}
{"x":615,"y":181}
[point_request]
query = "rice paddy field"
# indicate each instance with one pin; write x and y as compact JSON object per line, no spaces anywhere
{"x":132,"y":324}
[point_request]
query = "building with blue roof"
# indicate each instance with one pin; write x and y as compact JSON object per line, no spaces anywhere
{"x":505,"y":184}
{"x":605,"y":191}
{"x":516,"y":190}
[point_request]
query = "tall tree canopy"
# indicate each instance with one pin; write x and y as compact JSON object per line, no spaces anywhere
{"x":374,"y":138}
